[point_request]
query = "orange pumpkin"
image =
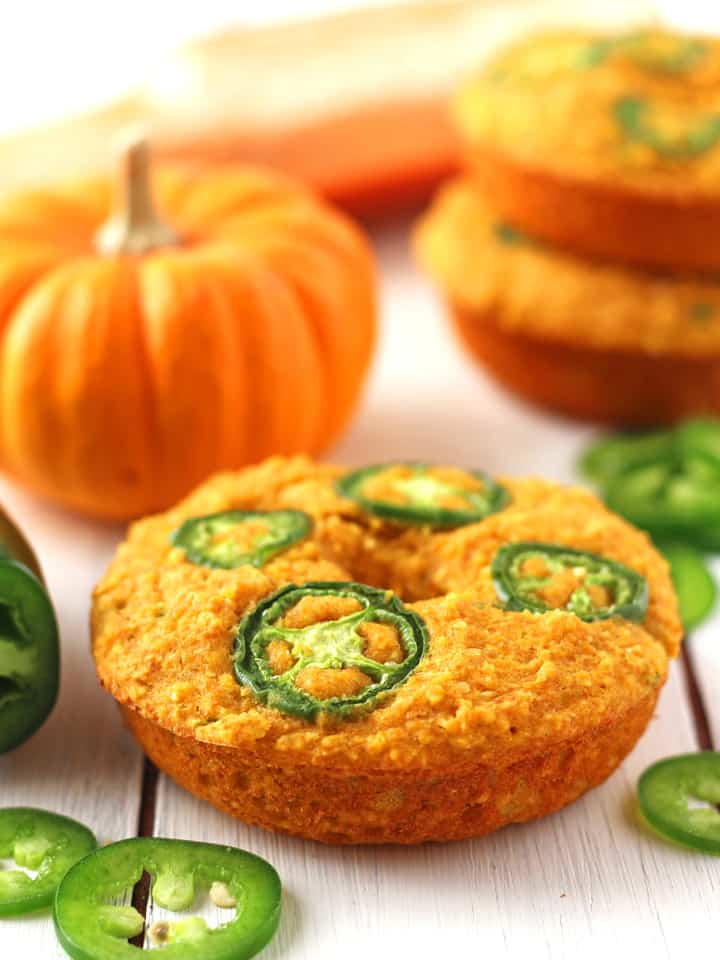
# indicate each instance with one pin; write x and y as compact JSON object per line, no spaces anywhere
{"x":139,"y":357}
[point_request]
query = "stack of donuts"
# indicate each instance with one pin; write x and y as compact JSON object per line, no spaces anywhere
{"x":580,"y":251}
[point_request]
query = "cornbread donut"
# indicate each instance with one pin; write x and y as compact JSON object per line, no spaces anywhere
{"x":608,"y":144}
{"x":586,"y":338}
{"x":503,"y":715}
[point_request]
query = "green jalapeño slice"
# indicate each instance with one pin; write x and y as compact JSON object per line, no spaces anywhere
{"x":46,"y":845}
{"x":237,"y":537}
{"x":327,"y":647}
{"x":542,"y":577}
{"x":671,"y":131}
{"x":421,"y":493}
{"x":29,"y":654}
{"x":680,"y":799}
{"x":90,"y":927}
{"x":672,"y":497}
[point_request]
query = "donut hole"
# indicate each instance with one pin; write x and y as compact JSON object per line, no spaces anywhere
{"x":323,"y":683}
{"x":382,"y":642}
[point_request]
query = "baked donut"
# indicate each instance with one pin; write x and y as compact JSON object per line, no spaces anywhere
{"x":586,"y":338}
{"x":284,"y":649}
{"x":608,"y":144}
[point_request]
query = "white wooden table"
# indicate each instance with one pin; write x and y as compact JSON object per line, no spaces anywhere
{"x":590,"y":881}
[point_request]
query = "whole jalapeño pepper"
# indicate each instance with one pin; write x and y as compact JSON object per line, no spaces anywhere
{"x":29,"y":654}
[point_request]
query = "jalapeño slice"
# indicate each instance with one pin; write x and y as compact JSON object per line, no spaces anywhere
{"x":608,"y":457}
{"x":90,"y":927}
{"x":236,"y":537}
{"x":694,"y":584}
{"x":327,"y":647}
{"x":680,"y":799}
{"x":43,"y":842}
{"x":676,"y":497}
{"x":543,"y":576}
{"x":421,"y":493}
{"x":671,"y":131}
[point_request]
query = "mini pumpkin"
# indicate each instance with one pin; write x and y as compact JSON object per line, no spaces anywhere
{"x":138,"y":356}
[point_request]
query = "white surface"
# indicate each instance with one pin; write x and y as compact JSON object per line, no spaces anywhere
{"x":588,"y":881}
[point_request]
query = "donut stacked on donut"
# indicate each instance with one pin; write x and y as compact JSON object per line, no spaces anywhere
{"x":397,"y":654}
{"x":594,"y":161}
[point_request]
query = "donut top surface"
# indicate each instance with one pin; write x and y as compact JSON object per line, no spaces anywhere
{"x":214,"y":652}
{"x":634,"y":108}
{"x":530,"y":287}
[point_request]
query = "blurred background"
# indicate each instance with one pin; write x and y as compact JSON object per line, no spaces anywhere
{"x":64,"y":59}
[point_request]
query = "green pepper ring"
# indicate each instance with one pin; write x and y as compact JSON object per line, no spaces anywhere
{"x":630,"y":496}
{"x":90,"y":928}
{"x":252,"y":670}
{"x":43,"y":841}
{"x":297,"y":525}
{"x":351,"y":484}
{"x":630,"y":114}
{"x":663,"y":793}
{"x":634,"y":608}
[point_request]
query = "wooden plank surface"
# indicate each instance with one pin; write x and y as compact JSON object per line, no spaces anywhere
{"x":577,"y":883}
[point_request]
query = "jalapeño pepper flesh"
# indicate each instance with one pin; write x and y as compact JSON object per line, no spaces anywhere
{"x":237,"y":537}
{"x":610,"y":456}
{"x":90,"y":927}
{"x":676,"y":497}
{"x":42,"y":842}
{"x":669,"y":131}
{"x":327,"y":646}
{"x":693,"y":582}
{"x":543,"y":576}
{"x":667,"y":482}
{"x":680,"y":799}
{"x":29,"y":655}
{"x":420,"y":493}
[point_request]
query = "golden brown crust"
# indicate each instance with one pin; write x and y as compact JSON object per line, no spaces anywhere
{"x":546,"y":129}
{"x":607,"y":386}
{"x":530,"y":288}
{"x":371,"y":807}
{"x":602,"y":219}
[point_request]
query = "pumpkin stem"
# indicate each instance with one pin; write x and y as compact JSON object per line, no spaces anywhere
{"x":134,"y":226}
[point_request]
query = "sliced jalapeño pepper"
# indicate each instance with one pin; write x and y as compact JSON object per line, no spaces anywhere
{"x":543,"y":576}
{"x":421,"y":493}
{"x":674,"y":497}
{"x":668,"y":130}
{"x":680,"y":799}
{"x":90,"y":927}
{"x":327,"y":647}
{"x":29,"y":655}
{"x":701,"y":435}
{"x":610,"y":456}
{"x":694,"y":584}
{"x":44,"y":843}
{"x":667,"y":482}
{"x":237,"y":537}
